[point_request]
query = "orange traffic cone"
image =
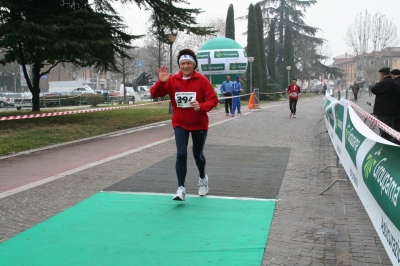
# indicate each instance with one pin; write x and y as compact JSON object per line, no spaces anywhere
{"x":251,"y":102}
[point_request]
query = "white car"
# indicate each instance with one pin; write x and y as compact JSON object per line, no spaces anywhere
{"x":83,"y":91}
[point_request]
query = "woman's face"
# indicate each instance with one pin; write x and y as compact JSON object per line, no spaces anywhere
{"x":187,"y":67}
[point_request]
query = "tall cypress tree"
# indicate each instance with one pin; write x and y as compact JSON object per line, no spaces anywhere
{"x":230,"y":23}
{"x":253,"y":50}
{"x":288,"y":58}
{"x":271,"y":51}
{"x":261,"y":47}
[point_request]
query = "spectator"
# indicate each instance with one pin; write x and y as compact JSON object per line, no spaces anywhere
{"x":226,"y":90}
{"x":355,"y":88}
{"x":236,"y":89}
{"x":385,"y":101}
{"x":395,"y":73}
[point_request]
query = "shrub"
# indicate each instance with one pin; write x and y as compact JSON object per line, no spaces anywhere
{"x":95,"y":100}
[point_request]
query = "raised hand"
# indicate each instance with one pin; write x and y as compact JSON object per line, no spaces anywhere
{"x":163,"y":74}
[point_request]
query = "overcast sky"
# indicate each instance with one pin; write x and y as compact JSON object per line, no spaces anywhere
{"x":332,"y":17}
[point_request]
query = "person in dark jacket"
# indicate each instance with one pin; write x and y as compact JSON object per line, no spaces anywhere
{"x":395,"y":73}
{"x":355,"y":88}
{"x":385,"y":100}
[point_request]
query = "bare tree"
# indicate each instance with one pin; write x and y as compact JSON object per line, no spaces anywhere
{"x":194,"y":42}
{"x":368,"y":38}
{"x":125,"y":66}
{"x":155,"y":53}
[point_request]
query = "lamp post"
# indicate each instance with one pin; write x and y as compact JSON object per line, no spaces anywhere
{"x":251,"y":60}
{"x":171,"y":39}
{"x":288,"y":68}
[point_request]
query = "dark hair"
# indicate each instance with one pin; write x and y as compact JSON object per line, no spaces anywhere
{"x":188,"y":52}
{"x":294,"y":79}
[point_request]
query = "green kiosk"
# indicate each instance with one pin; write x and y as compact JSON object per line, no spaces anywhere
{"x":220,"y":57}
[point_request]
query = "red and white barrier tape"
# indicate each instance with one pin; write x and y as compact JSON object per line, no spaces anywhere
{"x":273,"y":92}
{"x":230,"y":97}
{"x":395,"y":134}
{"x":16,"y":117}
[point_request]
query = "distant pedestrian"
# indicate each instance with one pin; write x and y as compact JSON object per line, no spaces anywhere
{"x":385,"y":101}
{"x":236,"y":89}
{"x":325,"y":87}
{"x":293,"y":91}
{"x":226,"y":90}
{"x":192,"y":96}
{"x":395,"y":73}
{"x":355,"y":88}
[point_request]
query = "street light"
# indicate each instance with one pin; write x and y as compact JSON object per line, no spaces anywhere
{"x":251,"y":60}
{"x":171,"y":39}
{"x":288,"y":68}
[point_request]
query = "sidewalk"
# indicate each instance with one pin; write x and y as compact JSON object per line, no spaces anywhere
{"x":307,"y":229}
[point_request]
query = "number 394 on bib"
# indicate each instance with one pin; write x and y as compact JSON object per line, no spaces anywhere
{"x":183,"y":99}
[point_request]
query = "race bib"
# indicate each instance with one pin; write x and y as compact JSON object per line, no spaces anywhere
{"x":183,"y":99}
{"x":294,"y":94}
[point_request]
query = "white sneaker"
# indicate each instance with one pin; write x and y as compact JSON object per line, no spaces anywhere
{"x":203,"y":186}
{"x":180,"y":194}
{"x":294,"y":116}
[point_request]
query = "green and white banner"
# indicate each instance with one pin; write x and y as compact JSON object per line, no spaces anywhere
{"x":373,"y":166}
{"x":223,"y":62}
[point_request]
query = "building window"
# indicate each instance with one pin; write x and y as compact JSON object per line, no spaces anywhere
{"x":371,"y":62}
{"x":385,"y":62}
{"x":355,"y":75}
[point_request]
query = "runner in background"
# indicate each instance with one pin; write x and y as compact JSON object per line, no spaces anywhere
{"x":192,"y":96}
{"x":293,"y":91}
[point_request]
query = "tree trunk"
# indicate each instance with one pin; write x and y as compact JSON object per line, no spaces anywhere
{"x":33,"y":85}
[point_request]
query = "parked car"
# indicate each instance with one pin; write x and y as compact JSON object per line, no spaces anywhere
{"x":4,"y":100}
{"x":83,"y":91}
{"x":9,"y":97}
{"x":25,"y":101}
{"x":118,"y":97}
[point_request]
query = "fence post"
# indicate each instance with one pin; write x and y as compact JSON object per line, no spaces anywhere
{"x":256,"y":97}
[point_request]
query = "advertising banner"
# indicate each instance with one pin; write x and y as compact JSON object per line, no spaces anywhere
{"x":373,"y":167}
{"x":223,"y":61}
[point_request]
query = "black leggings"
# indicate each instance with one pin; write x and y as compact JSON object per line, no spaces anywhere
{"x":182,"y":140}
{"x":292,"y":105}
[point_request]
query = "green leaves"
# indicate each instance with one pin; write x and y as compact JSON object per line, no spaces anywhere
{"x":370,"y":162}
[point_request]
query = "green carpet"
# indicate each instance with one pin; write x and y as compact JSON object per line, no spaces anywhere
{"x":143,"y":229}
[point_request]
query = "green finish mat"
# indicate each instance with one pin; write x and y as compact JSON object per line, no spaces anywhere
{"x":143,"y":229}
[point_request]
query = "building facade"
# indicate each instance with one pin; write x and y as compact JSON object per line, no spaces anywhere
{"x":364,"y":68}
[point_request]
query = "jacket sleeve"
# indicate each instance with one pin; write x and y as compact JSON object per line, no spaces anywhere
{"x":299,"y":89}
{"x":222,"y":88}
{"x":379,"y":88}
{"x":211,"y":98}
{"x":159,"y":89}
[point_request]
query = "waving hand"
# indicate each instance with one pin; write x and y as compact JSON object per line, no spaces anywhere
{"x":163,"y":74}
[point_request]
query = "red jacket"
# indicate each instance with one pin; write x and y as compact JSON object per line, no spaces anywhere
{"x":293,"y":91}
{"x":188,"y":118}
